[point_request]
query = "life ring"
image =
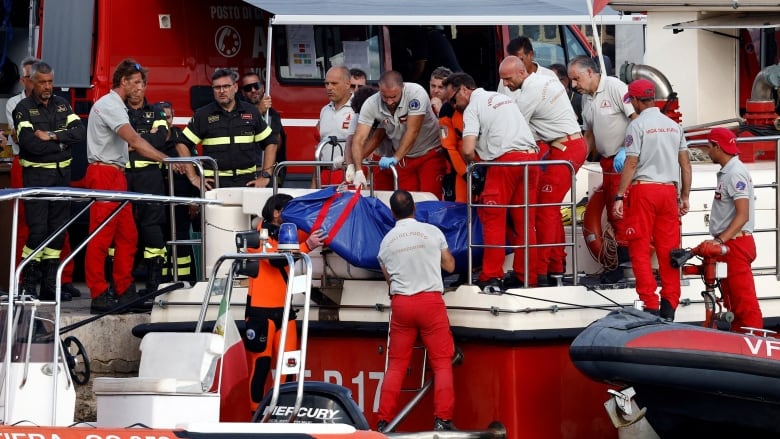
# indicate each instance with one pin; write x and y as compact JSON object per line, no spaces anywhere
{"x":591,"y":225}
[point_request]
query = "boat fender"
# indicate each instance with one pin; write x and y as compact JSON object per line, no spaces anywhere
{"x":591,"y":225}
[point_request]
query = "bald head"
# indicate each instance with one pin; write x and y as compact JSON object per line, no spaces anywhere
{"x":512,"y":72}
{"x":337,"y":85}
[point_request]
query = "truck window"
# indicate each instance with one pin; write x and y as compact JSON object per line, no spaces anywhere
{"x":304,"y":53}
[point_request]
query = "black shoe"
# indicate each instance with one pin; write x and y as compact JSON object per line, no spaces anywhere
{"x":71,"y":289}
{"x":490,"y":286}
{"x":103,"y":303}
{"x":442,"y":425}
{"x":49,"y":281}
{"x":381,"y":426}
{"x":612,"y":276}
{"x":132,"y":301}
{"x":512,"y":281}
{"x":542,"y":280}
{"x":666,"y":312}
{"x":30,"y":279}
{"x":154,"y":273}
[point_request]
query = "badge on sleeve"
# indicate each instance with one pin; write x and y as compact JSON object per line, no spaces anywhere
{"x":629,"y":140}
{"x":414,"y":104}
{"x":740,"y":185}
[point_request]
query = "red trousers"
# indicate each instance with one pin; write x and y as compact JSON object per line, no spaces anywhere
{"x":504,"y":185}
{"x":418,"y":174}
{"x":652,"y":218}
{"x":121,"y":231}
{"x":422,"y":314}
{"x":22,"y":232}
{"x":739,"y":290}
{"x":554,"y":183}
{"x":610,"y":185}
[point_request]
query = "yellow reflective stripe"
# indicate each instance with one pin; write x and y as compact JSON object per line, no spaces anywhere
{"x":24,"y":124}
{"x":72,"y":118}
{"x":230,"y":173}
{"x":50,"y":253}
{"x":182,"y":260}
{"x":262,"y":135}
{"x":55,"y":165}
{"x":111,"y":251}
{"x":183,"y":271}
{"x":141,"y":164}
{"x":27,"y":251}
{"x":244,"y":139}
{"x":211,"y":141}
{"x":159,"y":123}
{"x":190,"y":135}
{"x":150,"y":252}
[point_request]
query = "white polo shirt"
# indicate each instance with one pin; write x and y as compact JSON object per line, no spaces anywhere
{"x":734,"y":182}
{"x":105,"y":118}
{"x":335,"y":122}
{"x":546,"y":106}
{"x":414,"y":101}
{"x":411,"y":255}
{"x":542,"y":71}
{"x":10,"y":106}
{"x":498,"y":124}
{"x":605,"y":113}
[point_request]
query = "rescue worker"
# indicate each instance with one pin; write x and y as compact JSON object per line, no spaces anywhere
{"x":436,"y":89}
{"x":605,"y":117}
{"x":658,"y":170}
{"x":16,"y":167}
{"x":145,"y":176}
{"x":732,"y":221}
{"x":253,"y":90}
{"x":357,"y":79}
{"x":412,"y":256}
{"x":522,"y":48}
{"x":110,"y":137}
{"x":405,"y":113}
{"x":451,"y":130}
{"x":265,"y":301}
{"x":495,"y":129}
{"x":376,"y":135}
{"x":335,"y":118}
{"x":46,"y":128}
{"x":233,"y":133}
{"x":185,"y":215}
{"x":542,"y":100}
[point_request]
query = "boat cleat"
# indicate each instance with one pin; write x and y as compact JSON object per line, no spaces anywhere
{"x":622,"y":409}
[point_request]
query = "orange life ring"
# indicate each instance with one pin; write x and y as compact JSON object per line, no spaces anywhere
{"x":591,"y":225}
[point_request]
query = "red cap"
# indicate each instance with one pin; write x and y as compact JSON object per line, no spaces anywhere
{"x":641,"y":88}
{"x":724,"y":138}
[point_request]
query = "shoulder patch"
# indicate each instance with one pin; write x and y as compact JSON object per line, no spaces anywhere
{"x":740,"y":185}
{"x":414,"y":104}
{"x":629,"y":140}
{"x":61,"y":108}
{"x":213,"y":118}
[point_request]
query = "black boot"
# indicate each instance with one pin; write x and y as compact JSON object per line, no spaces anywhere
{"x":31,"y":278}
{"x":154,"y":272}
{"x":49,"y":282}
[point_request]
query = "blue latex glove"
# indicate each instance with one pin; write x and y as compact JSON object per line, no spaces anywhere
{"x":387,"y":162}
{"x":620,"y":159}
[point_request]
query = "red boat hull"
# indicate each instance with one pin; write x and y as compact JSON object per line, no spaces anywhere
{"x":531,"y":387}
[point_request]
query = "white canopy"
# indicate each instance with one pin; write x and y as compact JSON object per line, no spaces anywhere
{"x":437,"y":12}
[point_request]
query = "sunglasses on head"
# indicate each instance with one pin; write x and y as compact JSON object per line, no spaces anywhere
{"x":250,"y":87}
{"x":138,"y":67}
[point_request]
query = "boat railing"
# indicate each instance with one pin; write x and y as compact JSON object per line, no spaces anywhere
{"x":527,"y":212}
{"x":175,"y":242}
{"x":287,"y":363}
{"x":16,"y":300}
{"x":773,"y":185}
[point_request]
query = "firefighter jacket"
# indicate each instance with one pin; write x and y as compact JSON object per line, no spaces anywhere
{"x":233,"y":138}
{"x":149,"y":122}
{"x":57,"y":117}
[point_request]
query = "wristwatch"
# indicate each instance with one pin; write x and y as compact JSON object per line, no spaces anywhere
{"x":265,"y":174}
{"x":51,"y":135}
{"x":618,"y":198}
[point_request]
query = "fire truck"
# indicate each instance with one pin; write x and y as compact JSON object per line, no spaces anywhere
{"x":181,"y":42}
